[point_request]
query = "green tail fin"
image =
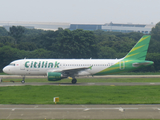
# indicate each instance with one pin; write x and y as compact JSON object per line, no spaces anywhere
{"x":139,"y":51}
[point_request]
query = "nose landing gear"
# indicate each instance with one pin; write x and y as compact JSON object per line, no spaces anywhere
{"x":23,"y":81}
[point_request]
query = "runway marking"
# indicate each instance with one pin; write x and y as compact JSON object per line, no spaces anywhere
{"x":121,"y":109}
{"x":9,"y":115}
{"x":86,"y":109}
{"x":152,"y":83}
{"x":81,"y":84}
{"x":91,"y":83}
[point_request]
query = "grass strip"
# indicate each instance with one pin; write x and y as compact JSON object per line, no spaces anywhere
{"x":80,"y":94}
{"x":83,"y":119}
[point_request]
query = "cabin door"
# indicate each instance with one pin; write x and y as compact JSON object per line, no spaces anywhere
{"x":22,"y":65}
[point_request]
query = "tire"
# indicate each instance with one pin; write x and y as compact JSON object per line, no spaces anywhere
{"x":22,"y":81}
{"x":74,"y":81}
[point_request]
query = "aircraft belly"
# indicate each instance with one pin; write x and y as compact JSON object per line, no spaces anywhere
{"x":97,"y":69}
{"x":83,"y":73}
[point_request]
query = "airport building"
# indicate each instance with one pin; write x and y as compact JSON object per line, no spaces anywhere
{"x":115,"y":27}
{"x":91,"y":27}
{"x":36,"y":25}
{"x":126,"y":28}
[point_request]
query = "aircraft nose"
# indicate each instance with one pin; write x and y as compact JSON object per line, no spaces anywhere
{"x":5,"y":69}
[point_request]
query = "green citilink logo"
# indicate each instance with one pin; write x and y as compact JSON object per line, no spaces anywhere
{"x":56,"y":65}
{"x":41,"y":64}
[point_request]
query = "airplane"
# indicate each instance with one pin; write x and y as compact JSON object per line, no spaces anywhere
{"x":57,"y":69}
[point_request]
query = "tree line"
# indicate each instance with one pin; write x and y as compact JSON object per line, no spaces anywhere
{"x":21,"y":43}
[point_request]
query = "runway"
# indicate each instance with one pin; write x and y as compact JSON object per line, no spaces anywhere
{"x":80,"y":111}
{"x":3,"y":84}
{"x":80,"y":84}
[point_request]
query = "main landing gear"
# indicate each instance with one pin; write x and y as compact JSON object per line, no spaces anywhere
{"x":23,"y":81}
{"x":74,"y":81}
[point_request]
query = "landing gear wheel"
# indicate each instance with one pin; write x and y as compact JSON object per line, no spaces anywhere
{"x":22,"y":81}
{"x":74,"y":81}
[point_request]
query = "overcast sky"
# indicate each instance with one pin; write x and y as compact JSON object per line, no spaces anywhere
{"x":81,"y":11}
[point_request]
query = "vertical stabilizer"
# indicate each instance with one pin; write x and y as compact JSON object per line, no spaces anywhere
{"x":139,"y":51}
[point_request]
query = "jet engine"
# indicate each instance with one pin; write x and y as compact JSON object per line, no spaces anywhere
{"x":54,"y":76}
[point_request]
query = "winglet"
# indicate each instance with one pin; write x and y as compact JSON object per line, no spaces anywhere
{"x":139,"y":51}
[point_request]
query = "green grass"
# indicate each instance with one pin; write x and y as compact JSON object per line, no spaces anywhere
{"x":80,"y":94}
{"x":83,"y":119}
{"x":90,"y":80}
{"x":3,"y":73}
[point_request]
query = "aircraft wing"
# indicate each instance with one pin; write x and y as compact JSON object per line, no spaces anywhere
{"x":71,"y":71}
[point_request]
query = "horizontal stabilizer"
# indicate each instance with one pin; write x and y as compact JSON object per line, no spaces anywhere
{"x":144,"y":63}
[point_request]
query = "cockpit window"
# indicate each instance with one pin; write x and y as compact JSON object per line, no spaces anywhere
{"x":12,"y":64}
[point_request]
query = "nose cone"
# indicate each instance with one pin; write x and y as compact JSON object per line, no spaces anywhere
{"x":5,"y":70}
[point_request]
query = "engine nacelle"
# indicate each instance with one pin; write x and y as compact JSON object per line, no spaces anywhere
{"x":54,"y":76}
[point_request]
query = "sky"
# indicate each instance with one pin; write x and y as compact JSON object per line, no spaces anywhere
{"x":81,"y":11}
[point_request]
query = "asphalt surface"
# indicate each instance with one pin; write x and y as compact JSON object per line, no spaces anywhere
{"x":3,"y":84}
{"x":78,"y":84}
{"x":80,"y":111}
{"x":104,"y":76}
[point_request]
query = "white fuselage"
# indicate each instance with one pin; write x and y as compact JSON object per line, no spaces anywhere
{"x":43,"y":66}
